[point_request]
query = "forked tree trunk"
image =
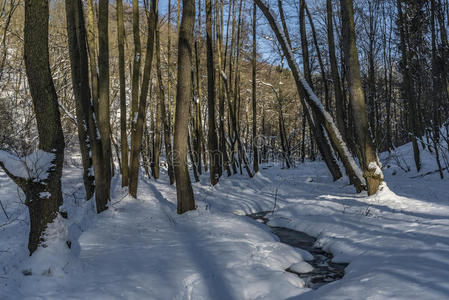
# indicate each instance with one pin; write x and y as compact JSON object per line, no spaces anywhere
{"x":43,"y":197}
{"x":370,"y":164}
{"x":184,"y":189}
{"x":80,"y":77}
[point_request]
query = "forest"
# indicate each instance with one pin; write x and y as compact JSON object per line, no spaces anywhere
{"x":224,"y":149}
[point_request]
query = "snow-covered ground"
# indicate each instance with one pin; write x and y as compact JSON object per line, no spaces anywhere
{"x":397,"y":242}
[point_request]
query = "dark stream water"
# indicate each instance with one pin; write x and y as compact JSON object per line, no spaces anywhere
{"x":324,"y":270}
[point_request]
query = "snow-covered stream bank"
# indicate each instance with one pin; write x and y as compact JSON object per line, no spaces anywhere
{"x":319,"y":269}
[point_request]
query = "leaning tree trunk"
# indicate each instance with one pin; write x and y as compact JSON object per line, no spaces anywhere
{"x":339,"y":99}
{"x":43,"y":197}
{"x":311,"y":101}
{"x":136,"y":136}
{"x":370,"y":163}
{"x":184,"y":189}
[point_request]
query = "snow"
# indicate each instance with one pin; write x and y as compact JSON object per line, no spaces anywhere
{"x":34,"y":166}
{"x":396,"y":242}
{"x":301,"y":267}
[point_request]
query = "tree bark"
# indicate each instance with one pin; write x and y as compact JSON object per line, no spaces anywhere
{"x":370,"y":163}
{"x":339,"y":98}
{"x":253,"y":92}
{"x":42,"y":209}
{"x":184,"y":189}
{"x":136,"y":136}
{"x":103,"y":86}
{"x":214,"y":154}
{"x":121,"y":58}
{"x":82,"y":122}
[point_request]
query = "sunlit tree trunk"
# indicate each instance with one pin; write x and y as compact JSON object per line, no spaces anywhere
{"x":370,"y":164}
{"x":184,"y":189}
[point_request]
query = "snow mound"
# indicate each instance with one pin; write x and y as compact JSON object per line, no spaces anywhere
{"x":301,"y":267}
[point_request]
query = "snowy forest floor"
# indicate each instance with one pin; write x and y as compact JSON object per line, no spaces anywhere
{"x":397,"y":242}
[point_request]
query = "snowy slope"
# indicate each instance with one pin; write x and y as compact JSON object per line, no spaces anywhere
{"x":397,"y":242}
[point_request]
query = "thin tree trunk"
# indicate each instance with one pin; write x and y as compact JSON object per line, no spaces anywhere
{"x":167,"y":114}
{"x":103,"y":86}
{"x":408,"y":87}
{"x":121,"y":58}
{"x":92,"y":46}
{"x":214,"y":154}
{"x":137,"y":57}
{"x":221,"y":90}
{"x":164,"y":115}
{"x":253,"y":94}
{"x":137,"y":135}
{"x":82,"y":121}
{"x":339,"y":98}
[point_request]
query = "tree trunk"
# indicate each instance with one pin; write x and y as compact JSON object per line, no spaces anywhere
{"x":136,"y":136}
{"x":214,"y":153}
{"x":253,"y":94}
{"x":103,"y":86}
{"x":92,"y":44}
{"x":80,"y":77}
{"x":184,"y":189}
{"x":164,"y":114}
{"x":42,"y":209}
{"x":135,"y":81}
{"x":339,"y":98}
{"x":82,"y":121}
{"x":370,"y":163}
{"x":408,"y":87}
{"x":121,"y":58}
{"x":221,"y":91}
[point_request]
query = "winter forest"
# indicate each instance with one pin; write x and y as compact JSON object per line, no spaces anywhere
{"x":224,"y":149}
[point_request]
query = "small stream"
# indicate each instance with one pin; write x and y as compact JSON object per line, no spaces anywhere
{"x":324,"y":270}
